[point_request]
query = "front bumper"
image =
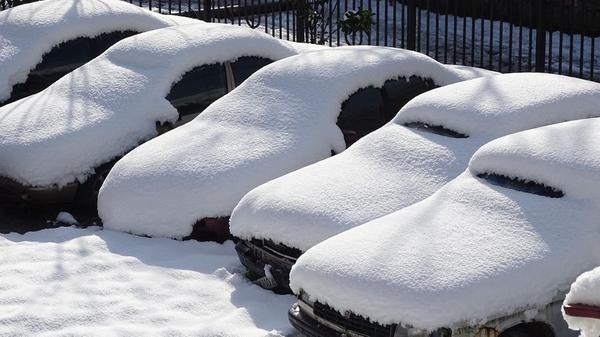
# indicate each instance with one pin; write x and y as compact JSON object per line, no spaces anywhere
{"x":310,"y":323}
{"x":255,"y":256}
{"x":12,"y":192}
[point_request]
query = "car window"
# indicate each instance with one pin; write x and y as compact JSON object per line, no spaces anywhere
{"x":397,"y":92}
{"x":64,"y":58}
{"x":362,"y":112}
{"x":246,"y":66}
{"x":436,"y":129}
{"x":522,"y":185}
{"x":198,"y":88}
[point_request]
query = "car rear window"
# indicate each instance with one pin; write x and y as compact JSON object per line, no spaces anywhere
{"x":437,"y":129}
{"x":521,"y":185}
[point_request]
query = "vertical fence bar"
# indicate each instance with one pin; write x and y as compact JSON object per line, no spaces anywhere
{"x":491,"y":50}
{"x":500,"y":39}
{"x":370,"y":7}
{"x":437,"y":29}
{"x":482,"y":35}
{"x":473,"y":26}
{"x":395,"y":20}
{"x":581,"y":39}
{"x":464,"y":38}
{"x":593,"y":46}
{"x":411,"y":25}
{"x":385,"y":22}
{"x":510,"y":34}
{"x":531,"y":20}
{"x":338,"y":16}
{"x":560,"y":36}
{"x":376,"y":20}
{"x":540,"y":37}
{"x":419,"y":19}
{"x":571,"y":24}
{"x":455,"y":32}
{"x":330,"y":21}
{"x":520,"y":66}
{"x":300,"y":17}
{"x":446,"y":33}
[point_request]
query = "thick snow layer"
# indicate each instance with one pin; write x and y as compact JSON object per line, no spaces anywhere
{"x":585,"y":290}
{"x":280,"y":119}
{"x":396,"y":166}
{"x":88,"y":118}
{"x":76,"y":282}
{"x":31,"y":30}
{"x":480,"y":249}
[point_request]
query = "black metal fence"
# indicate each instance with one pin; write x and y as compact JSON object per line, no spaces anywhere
{"x":558,"y":36}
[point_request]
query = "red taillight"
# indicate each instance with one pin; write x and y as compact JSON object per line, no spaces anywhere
{"x":582,"y":310}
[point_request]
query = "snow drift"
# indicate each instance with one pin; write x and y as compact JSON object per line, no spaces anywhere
{"x":88,"y":118}
{"x":478,"y":248}
{"x":29,"y":31}
{"x":90,"y":282}
{"x":585,"y":290}
{"x":397,"y":166}
{"x":280,"y":119}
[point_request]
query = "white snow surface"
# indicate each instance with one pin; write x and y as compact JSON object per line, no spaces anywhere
{"x":88,"y":118}
{"x":67,"y":218}
{"x":396,"y":166}
{"x":280,"y":119}
{"x":91,"y":282}
{"x":29,"y":31}
{"x":585,"y":290}
{"x":480,"y":249}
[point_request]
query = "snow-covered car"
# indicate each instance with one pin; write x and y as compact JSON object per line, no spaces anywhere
{"x":492,"y":253}
{"x":281,"y":119}
{"x":42,"y":41}
{"x":58,"y":145}
{"x":581,"y":308}
{"x":427,"y":144}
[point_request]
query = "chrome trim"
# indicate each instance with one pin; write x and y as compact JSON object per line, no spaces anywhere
{"x":274,"y":251}
{"x":308,"y":310}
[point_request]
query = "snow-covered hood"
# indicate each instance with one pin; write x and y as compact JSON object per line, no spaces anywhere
{"x":29,"y":31}
{"x":280,"y":119}
{"x":585,"y":290}
{"x":396,"y":166}
{"x":111,"y":104}
{"x":480,"y":249}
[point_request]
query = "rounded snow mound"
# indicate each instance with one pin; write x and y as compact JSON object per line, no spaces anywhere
{"x":108,"y":106}
{"x":397,"y":166}
{"x":478,"y":248}
{"x":585,"y":290}
{"x":31,"y":30}
{"x":499,"y":105}
{"x":280,"y":119}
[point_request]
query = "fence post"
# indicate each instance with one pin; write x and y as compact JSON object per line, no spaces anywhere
{"x":411,"y":25}
{"x":207,"y":10}
{"x":540,"y":37}
{"x":300,"y":19}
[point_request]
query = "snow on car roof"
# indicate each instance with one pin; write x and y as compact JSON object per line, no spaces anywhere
{"x":509,"y":102}
{"x":31,"y":30}
{"x":108,"y":106}
{"x":397,"y":166}
{"x":478,"y":248}
{"x":585,"y":290}
{"x":282,"y":118}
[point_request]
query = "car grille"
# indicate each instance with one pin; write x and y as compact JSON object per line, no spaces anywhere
{"x":278,"y":248}
{"x":353,"y":322}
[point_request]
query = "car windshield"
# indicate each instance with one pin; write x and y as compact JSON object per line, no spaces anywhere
{"x":437,"y":129}
{"x":521,"y":185}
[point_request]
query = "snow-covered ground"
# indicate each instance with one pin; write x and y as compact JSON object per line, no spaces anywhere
{"x":93,"y":282}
